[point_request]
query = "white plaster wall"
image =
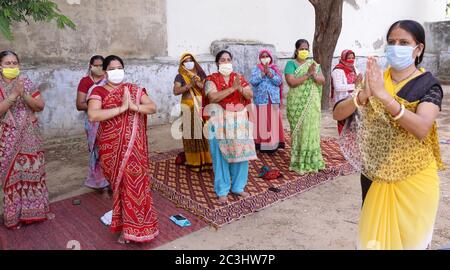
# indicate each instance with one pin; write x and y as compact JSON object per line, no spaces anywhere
{"x":58,"y":85}
{"x":193,"y":24}
{"x":364,"y":28}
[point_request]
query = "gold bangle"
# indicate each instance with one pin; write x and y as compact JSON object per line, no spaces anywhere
{"x":355,"y":100}
{"x":402,"y":112}
{"x":359,"y":101}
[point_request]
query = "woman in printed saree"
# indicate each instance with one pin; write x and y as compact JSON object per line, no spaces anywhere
{"x":267,"y":82}
{"x":227,"y":94}
{"x":189,"y":83}
{"x":96,"y":76}
{"x":398,"y":141}
{"x":305,"y":80}
{"x":122,"y":109}
{"x":22,"y":172}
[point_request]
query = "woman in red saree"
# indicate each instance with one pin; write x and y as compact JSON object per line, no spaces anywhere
{"x":122,"y":108}
{"x":22,"y":172}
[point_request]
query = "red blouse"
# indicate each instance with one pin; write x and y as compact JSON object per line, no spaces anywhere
{"x":85,"y":84}
{"x":236,"y":97}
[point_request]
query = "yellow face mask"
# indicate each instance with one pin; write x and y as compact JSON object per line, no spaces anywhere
{"x":303,"y":54}
{"x":10,"y":73}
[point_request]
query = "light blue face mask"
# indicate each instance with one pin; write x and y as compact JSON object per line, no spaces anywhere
{"x":400,"y":57}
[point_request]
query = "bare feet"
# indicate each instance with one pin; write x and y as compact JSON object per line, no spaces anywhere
{"x":242,"y":194}
{"x":17,"y":227}
{"x":122,"y":240}
{"x":51,"y":216}
{"x":223,"y":199}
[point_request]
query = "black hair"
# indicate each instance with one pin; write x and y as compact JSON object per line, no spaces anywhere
{"x":299,"y":43}
{"x":111,"y":58}
{"x":96,"y":57}
{"x":416,"y":30}
{"x":219,"y":55}
{"x":6,"y":53}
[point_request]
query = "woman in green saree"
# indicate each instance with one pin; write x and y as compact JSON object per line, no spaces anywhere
{"x":305,"y":81}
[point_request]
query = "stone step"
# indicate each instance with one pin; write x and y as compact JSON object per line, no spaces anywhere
{"x":444,"y":71}
{"x":445,"y":80}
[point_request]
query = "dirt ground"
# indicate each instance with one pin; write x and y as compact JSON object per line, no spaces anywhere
{"x":325,"y":217}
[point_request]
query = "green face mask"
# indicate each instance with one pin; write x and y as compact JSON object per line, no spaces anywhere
{"x":10,"y":73}
{"x":303,"y":54}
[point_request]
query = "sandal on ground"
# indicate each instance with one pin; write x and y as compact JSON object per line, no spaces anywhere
{"x":180,"y":159}
{"x":272,"y":175}
{"x":263,"y":171}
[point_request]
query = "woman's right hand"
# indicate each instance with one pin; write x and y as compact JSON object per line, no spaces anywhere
{"x":365,"y":93}
{"x":237,"y":83}
{"x":312,"y":69}
{"x":191,"y":84}
{"x":359,"y":79}
{"x":18,"y":89}
{"x":125,"y":100}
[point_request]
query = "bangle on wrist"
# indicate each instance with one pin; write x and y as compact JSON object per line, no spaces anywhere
{"x":401,"y":113}
{"x":355,"y":100}
{"x":359,"y":101}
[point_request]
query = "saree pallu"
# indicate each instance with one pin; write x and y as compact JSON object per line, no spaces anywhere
{"x":400,"y":208}
{"x":304,"y":113}
{"x":95,"y":178}
{"x":123,"y":150}
{"x":269,"y":132}
{"x":196,"y":146}
{"x":22,"y":172}
{"x":197,"y":153}
{"x":234,"y":134}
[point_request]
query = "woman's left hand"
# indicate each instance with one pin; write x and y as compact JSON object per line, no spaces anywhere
{"x":375,"y":78}
{"x":133,"y":107}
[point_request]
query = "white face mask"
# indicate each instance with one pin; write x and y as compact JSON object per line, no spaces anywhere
{"x":226,"y":69}
{"x":116,"y":76}
{"x":265,"y":60}
{"x":189,"y":65}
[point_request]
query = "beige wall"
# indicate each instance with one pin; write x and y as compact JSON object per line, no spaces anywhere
{"x":129,"y":28}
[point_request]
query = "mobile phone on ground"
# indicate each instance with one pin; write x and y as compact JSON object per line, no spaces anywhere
{"x":179,"y":217}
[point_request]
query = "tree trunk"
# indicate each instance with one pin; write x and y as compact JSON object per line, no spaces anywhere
{"x":328,"y":29}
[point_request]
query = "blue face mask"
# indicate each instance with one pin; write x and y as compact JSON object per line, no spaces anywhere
{"x":400,"y":57}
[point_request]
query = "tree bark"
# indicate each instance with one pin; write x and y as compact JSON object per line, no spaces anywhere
{"x":327,"y":32}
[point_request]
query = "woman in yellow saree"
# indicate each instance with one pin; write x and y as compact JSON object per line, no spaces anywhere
{"x":398,"y":142}
{"x":189,"y":83}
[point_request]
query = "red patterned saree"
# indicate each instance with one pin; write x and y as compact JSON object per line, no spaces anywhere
{"x":123,"y":152}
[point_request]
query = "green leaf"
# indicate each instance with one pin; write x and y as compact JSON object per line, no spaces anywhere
{"x":13,"y":11}
{"x":5,"y":28}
